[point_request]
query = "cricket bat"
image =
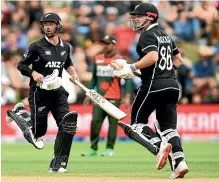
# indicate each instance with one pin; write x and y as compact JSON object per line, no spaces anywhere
{"x":102,"y":102}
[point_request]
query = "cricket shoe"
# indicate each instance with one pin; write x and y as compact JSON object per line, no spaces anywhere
{"x":162,"y":156}
{"x":108,"y":152}
{"x":39,"y":142}
{"x":57,"y":168}
{"x":36,"y":142}
{"x":90,"y":152}
{"x":60,"y":170}
{"x":181,"y":170}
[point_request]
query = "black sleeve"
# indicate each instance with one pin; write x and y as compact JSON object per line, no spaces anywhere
{"x":27,"y":59}
{"x":175,"y":49}
{"x":68,"y":61}
{"x":148,"y":43}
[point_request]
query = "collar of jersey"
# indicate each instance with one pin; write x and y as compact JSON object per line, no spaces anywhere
{"x":152,"y":25}
{"x":60,"y":41}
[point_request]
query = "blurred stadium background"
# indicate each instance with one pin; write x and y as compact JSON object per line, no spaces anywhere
{"x":193,"y":25}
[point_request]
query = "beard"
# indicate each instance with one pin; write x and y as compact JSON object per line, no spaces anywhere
{"x":50,"y":35}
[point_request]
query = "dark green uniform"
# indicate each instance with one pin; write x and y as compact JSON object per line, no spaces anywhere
{"x":107,"y":85}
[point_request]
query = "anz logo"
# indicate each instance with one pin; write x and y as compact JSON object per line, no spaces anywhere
{"x":54,"y":64}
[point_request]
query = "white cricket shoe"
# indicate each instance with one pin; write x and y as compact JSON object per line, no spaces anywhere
{"x":18,"y":105}
{"x":180,"y":171}
{"x":60,"y":170}
{"x":162,"y":156}
{"x":39,"y":143}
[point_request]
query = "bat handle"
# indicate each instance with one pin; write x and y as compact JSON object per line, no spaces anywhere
{"x":137,"y":73}
{"x":81,"y":86}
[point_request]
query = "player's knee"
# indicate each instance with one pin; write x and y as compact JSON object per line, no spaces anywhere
{"x":69,"y":123}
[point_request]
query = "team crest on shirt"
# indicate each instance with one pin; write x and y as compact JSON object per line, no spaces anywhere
{"x":48,"y":53}
{"x":40,"y":109}
{"x":63,"y":53}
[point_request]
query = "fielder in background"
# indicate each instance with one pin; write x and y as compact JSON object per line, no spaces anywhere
{"x":158,"y":59}
{"x":48,"y":57}
{"x":107,"y":85}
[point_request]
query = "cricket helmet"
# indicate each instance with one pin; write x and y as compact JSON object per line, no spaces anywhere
{"x":142,"y":15}
{"x":51,"y":17}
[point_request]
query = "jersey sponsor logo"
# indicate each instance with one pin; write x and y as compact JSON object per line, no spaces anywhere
{"x":99,"y":61}
{"x":104,"y":71}
{"x":164,"y":39}
{"x":54,"y":64}
{"x":48,"y":53}
{"x":63,"y":53}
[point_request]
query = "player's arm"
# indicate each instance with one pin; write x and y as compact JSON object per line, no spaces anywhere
{"x":28,"y":58}
{"x":149,"y":46}
{"x":149,"y":59}
{"x":72,"y":72}
{"x":69,"y":67}
{"x":177,"y":58}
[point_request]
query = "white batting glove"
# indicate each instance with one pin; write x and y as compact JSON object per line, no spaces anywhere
{"x":126,"y":72}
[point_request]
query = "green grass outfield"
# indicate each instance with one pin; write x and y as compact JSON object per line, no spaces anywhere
{"x":131,"y":160}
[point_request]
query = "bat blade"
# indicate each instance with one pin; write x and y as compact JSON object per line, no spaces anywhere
{"x":106,"y":105}
{"x":102,"y":102}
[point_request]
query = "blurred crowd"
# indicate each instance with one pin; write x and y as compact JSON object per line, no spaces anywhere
{"x":86,"y":22}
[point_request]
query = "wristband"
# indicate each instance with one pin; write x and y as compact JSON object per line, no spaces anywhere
{"x":132,"y":66}
{"x":175,"y":67}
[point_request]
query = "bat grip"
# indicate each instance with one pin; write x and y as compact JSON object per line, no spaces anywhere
{"x":81,"y":86}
